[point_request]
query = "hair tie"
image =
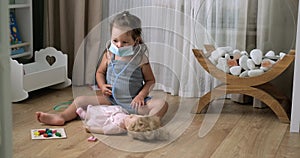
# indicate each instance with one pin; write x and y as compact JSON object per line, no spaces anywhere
{"x":125,"y":13}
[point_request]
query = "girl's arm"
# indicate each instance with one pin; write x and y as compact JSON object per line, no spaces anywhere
{"x":149,"y":83}
{"x":101,"y":75}
{"x":149,"y":80}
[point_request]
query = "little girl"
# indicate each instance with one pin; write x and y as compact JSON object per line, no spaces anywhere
{"x":116,"y":120}
{"x":124,"y":76}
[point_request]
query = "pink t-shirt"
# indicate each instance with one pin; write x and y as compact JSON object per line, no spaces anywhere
{"x":108,"y":118}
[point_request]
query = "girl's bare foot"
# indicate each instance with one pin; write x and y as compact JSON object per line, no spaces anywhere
{"x":50,"y":119}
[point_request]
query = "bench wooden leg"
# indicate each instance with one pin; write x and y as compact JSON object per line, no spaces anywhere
{"x":260,"y":92}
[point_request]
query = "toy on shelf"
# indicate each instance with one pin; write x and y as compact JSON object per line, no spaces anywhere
{"x":15,"y":37}
{"x":257,"y":86}
{"x":49,"y":69}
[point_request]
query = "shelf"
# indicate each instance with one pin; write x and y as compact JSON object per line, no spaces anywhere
{"x":21,"y":55}
{"x":23,"y":15}
{"x":20,"y":45}
{"x":14,"y":6}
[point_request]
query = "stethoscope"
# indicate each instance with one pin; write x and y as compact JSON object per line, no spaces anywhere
{"x":118,"y":74}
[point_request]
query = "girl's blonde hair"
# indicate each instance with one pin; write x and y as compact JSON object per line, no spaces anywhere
{"x":147,"y":128}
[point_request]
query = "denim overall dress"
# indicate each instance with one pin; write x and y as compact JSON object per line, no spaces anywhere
{"x":127,"y":80}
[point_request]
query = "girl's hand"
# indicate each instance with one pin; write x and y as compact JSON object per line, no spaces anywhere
{"x":106,"y":89}
{"x":137,"y":102}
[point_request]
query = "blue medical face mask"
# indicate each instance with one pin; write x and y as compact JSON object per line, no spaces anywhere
{"x":122,"y":52}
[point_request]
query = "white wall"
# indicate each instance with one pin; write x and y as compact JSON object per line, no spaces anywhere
{"x":5,"y":100}
{"x":295,"y":117}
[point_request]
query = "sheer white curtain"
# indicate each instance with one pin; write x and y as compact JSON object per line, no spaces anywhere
{"x":276,"y":24}
{"x":246,"y":25}
{"x":226,"y":21}
{"x":173,"y":28}
{"x":276,"y":30}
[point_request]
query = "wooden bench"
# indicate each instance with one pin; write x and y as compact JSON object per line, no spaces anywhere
{"x":258,"y":87}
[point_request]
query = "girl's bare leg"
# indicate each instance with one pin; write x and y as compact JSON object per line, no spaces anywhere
{"x":154,"y":106}
{"x":70,"y":113}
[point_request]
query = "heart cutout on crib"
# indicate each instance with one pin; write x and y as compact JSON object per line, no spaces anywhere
{"x":50,"y":59}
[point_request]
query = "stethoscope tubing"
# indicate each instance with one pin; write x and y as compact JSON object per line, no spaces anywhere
{"x":118,"y":74}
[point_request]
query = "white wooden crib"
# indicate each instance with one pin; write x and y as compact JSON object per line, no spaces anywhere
{"x":49,"y":69}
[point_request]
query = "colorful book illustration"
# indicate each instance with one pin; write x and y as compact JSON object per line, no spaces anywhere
{"x":15,"y":37}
